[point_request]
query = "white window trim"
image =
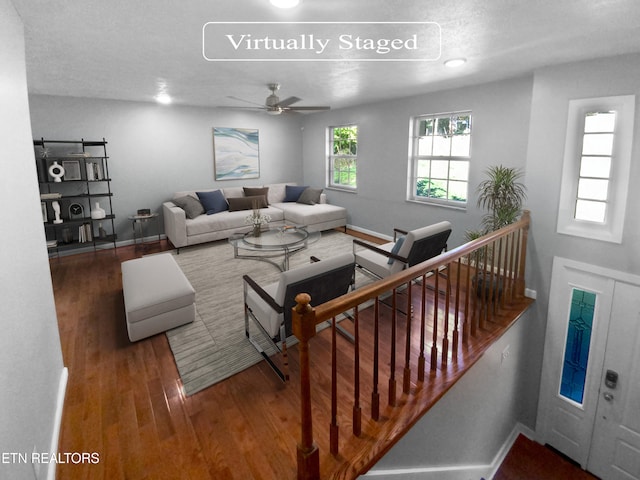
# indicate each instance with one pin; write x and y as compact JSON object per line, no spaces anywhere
{"x":413,"y":164}
{"x":612,"y":228}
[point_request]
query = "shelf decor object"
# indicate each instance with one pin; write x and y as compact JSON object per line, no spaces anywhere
{"x":98,"y":213}
{"x":77,"y":210}
{"x":71,"y":170}
{"x":56,"y":171}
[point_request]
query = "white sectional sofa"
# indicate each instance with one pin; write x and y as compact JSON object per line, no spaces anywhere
{"x":189,"y":224}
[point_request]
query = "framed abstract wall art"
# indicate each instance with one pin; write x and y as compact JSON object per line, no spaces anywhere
{"x":235,"y":153}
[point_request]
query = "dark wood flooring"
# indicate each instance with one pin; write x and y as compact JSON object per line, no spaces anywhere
{"x":125,"y":402}
{"x":528,"y":460}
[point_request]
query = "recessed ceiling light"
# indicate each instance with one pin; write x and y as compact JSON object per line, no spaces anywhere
{"x":284,"y":3}
{"x":455,"y":62}
{"x":163,"y":98}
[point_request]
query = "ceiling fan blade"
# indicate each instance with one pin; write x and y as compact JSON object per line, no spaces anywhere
{"x":308,"y":108}
{"x":246,"y":101}
{"x":288,"y":101}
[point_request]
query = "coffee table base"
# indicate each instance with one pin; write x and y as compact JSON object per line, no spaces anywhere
{"x":285,"y":253}
{"x":278,"y":241}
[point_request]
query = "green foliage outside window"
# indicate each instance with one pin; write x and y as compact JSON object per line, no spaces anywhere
{"x":343,"y":158}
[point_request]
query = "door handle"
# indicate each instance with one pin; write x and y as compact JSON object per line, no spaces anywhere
{"x":608,"y":396}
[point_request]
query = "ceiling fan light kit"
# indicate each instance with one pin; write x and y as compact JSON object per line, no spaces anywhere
{"x":455,"y":62}
{"x":284,"y":3}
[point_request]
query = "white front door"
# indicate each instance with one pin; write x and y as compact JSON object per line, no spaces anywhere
{"x":615,"y":448}
{"x":589,"y":405}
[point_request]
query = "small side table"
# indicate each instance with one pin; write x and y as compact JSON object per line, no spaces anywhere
{"x":138,"y":222}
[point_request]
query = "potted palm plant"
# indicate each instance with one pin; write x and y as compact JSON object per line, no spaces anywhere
{"x":502,"y":195}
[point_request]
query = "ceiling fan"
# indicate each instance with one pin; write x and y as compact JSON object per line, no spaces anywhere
{"x":274,"y":106}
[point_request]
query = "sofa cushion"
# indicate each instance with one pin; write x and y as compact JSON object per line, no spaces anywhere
{"x":310,"y":196}
{"x":247,"y":203}
{"x":253,"y":191}
{"x":192,"y":207}
{"x":233,"y":192}
{"x":213,"y":202}
{"x":293,"y":192}
{"x":301,"y":214}
{"x":227,"y":221}
{"x":277,"y":192}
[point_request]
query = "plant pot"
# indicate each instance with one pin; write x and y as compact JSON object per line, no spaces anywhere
{"x":257,"y":230}
{"x":492,"y":287}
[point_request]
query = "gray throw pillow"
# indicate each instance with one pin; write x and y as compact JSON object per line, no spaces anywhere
{"x":310,"y":196}
{"x":192,"y":207}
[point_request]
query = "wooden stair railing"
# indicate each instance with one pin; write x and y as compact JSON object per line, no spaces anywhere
{"x":482,"y":278}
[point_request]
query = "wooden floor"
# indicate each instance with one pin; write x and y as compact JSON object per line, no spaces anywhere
{"x":124,"y":400}
{"x":531,"y":461}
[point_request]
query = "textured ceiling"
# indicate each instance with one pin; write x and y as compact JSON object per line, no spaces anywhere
{"x":129,"y":50}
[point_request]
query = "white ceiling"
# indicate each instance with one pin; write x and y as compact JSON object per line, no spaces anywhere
{"x":128,"y":49}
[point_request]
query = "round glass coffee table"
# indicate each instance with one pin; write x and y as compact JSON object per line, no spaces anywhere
{"x":273,"y":242}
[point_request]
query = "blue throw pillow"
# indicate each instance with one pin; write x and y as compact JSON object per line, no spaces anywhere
{"x":293,"y":192}
{"x":396,"y":249}
{"x":213,"y":202}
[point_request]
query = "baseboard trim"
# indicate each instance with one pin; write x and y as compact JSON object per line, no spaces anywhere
{"x":369,"y":232}
{"x":518,"y":429}
{"x":451,"y":472}
{"x":55,"y":435}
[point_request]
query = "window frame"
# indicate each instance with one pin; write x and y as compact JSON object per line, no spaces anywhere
{"x":331,"y":157}
{"x":414,"y":159}
{"x":611,"y":229}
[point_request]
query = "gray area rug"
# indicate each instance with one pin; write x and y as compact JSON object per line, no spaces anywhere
{"x":214,"y":346}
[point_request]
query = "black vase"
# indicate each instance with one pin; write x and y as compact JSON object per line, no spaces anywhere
{"x":485,"y":285}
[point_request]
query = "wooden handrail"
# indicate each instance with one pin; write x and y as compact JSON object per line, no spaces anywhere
{"x":348,"y":301}
{"x":503,"y":255}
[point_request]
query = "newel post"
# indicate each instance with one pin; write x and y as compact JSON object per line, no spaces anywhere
{"x":520,"y":285}
{"x":304,"y":328}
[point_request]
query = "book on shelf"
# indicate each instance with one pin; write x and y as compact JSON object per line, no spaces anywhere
{"x":94,"y":171}
{"x":85,"y":233}
{"x":50,"y":196}
{"x":52,"y":243}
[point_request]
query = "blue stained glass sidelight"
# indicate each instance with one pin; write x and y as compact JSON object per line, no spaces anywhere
{"x":576,"y":352}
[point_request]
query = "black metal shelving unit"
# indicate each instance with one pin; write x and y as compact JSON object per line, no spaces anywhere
{"x":86,"y":180}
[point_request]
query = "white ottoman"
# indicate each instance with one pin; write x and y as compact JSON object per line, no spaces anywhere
{"x":157,"y":296}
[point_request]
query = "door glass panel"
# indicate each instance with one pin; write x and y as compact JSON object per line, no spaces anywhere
{"x":576,"y":351}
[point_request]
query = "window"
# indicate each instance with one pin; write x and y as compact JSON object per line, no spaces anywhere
{"x":343,"y":156}
{"x":595,"y":166}
{"x":595,"y":173}
{"x":439,"y":165}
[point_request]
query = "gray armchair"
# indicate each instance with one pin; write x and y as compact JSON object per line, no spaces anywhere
{"x":270,"y":307}
{"x":413,"y":247}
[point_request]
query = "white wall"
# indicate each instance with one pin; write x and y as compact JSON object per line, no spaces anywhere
{"x":500,"y":113}
{"x":31,"y":367}
{"x":553,"y":88}
{"x":156,"y":150}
